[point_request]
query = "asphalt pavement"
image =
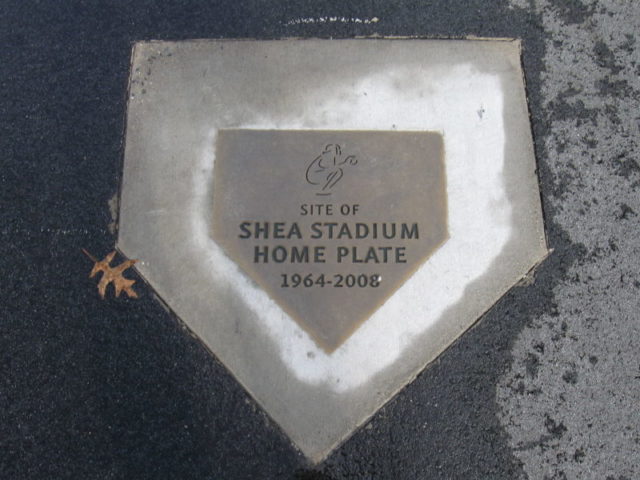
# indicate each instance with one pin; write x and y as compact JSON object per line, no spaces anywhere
{"x":545,"y":386}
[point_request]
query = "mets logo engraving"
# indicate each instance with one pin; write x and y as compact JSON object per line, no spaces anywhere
{"x":327,"y":169}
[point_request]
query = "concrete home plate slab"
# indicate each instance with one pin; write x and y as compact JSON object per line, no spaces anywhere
{"x":327,"y":216}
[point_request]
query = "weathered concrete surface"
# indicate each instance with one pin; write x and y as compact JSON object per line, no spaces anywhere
{"x":117,"y":390}
{"x":184,"y":94}
{"x":571,"y":399}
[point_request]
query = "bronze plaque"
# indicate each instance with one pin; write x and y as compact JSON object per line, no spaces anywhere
{"x":329,"y":223}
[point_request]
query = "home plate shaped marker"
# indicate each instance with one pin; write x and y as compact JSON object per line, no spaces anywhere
{"x":328,"y":232}
{"x":329,"y":223}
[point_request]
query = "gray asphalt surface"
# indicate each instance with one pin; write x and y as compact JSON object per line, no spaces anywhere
{"x":546,"y":386}
{"x":570,"y":401}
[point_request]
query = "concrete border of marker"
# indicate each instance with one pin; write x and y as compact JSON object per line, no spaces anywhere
{"x":182,"y":93}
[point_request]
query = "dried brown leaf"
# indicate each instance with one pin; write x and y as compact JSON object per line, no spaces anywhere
{"x":112,"y":275}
